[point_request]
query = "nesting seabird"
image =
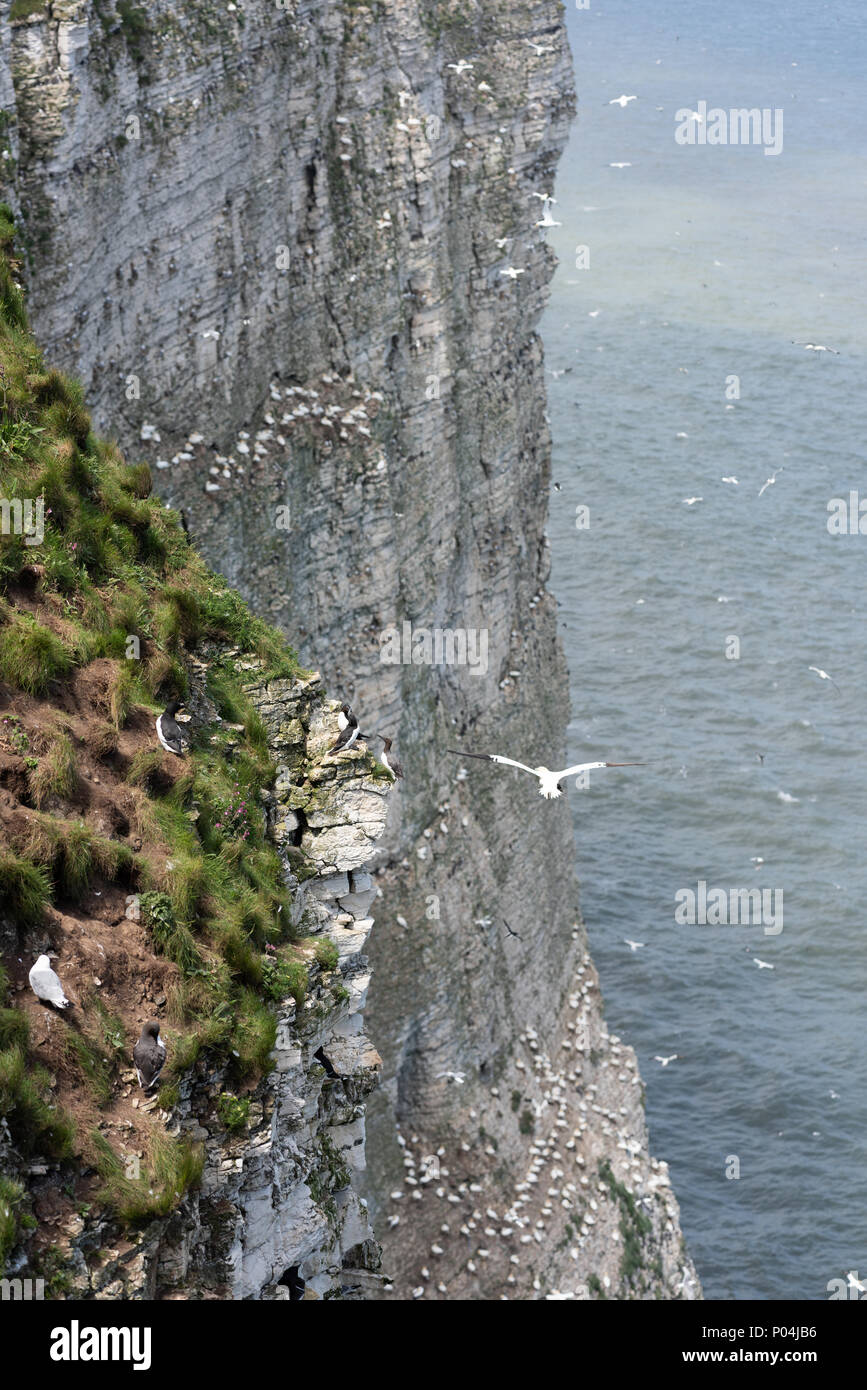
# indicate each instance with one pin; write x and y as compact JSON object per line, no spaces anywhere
{"x":349,"y":731}
{"x":46,"y":985}
{"x":549,"y":782}
{"x":168,"y":729}
{"x":149,"y":1055}
{"x":389,"y":760}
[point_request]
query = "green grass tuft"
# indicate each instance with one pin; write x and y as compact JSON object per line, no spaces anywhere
{"x":38,"y":1126}
{"x":171,"y":1169}
{"x":31,"y":657}
{"x":25,"y":889}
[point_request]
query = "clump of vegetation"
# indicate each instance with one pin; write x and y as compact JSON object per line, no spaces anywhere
{"x":38,"y":1126}
{"x":25,"y":889}
{"x":87,"y":1058}
{"x":31,"y":656}
{"x":170,"y":937}
{"x":168,"y":1096}
{"x":635,"y":1225}
{"x":54,"y":773}
{"x":327,"y":955}
{"x":172,"y":1167}
{"x":233,"y":1111}
{"x":73,"y":855}
{"x":14,"y":1216}
{"x":330,"y":1175}
{"x":285,"y":979}
{"x":23,"y":9}
{"x":16,"y":736}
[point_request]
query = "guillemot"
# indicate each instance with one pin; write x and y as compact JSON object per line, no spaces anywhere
{"x":168,"y":730}
{"x":388,"y":759}
{"x":149,"y":1055}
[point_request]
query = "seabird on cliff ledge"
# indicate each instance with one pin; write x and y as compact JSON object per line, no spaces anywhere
{"x":168,"y":730}
{"x":549,"y":782}
{"x":149,"y":1055}
{"x":349,"y":731}
{"x":46,"y":985}
{"x":389,"y":760}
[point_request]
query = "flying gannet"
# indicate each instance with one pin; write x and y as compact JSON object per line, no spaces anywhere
{"x":549,"y":782}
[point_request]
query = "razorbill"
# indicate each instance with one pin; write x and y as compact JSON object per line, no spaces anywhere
{"x":168,"y":730}
{"x":46,"y":984}
{"x":149,"y":1055}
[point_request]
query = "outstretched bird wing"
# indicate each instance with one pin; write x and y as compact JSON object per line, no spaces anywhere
{"x":493,"y":758}
{"x":585,"y":767}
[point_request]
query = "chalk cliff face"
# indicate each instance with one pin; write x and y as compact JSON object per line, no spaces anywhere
{"x":273,"y":243}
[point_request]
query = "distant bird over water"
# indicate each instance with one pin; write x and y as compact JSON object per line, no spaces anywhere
{"x":622,"y":101}
{"x":664,"y":1061}
{"x":769,"y":482}
{"x":823,"y":676}
{"x":46,"y":985}
{"x":149,"y":1055}
{"x":549,"y":782}
{"x":168,"y":730}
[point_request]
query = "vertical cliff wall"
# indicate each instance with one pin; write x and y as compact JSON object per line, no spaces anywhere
{"x":274,"y":243}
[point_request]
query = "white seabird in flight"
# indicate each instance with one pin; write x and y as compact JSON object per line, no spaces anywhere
{"x":770,"y":482}
{"x":622,"y":100}
{"x":823,"y":676}
{"x":538,"y":48}
{"x":512,"y":272}
{"x":549,"y":782}
{"x":664,"y":1061}
{"x":633,"y":945}
{"x":461,"y":66}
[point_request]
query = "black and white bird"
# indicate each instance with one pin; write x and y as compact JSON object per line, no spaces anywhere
{"x":168,"y":729}
{"x":349,"y":730}
{"x":46,"y":985}
{"x":389,"y":760}
{"x":549,"y":782}
{"x":149,"y":1055}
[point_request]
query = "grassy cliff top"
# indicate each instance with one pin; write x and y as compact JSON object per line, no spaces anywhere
{"x":150,"y":877}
